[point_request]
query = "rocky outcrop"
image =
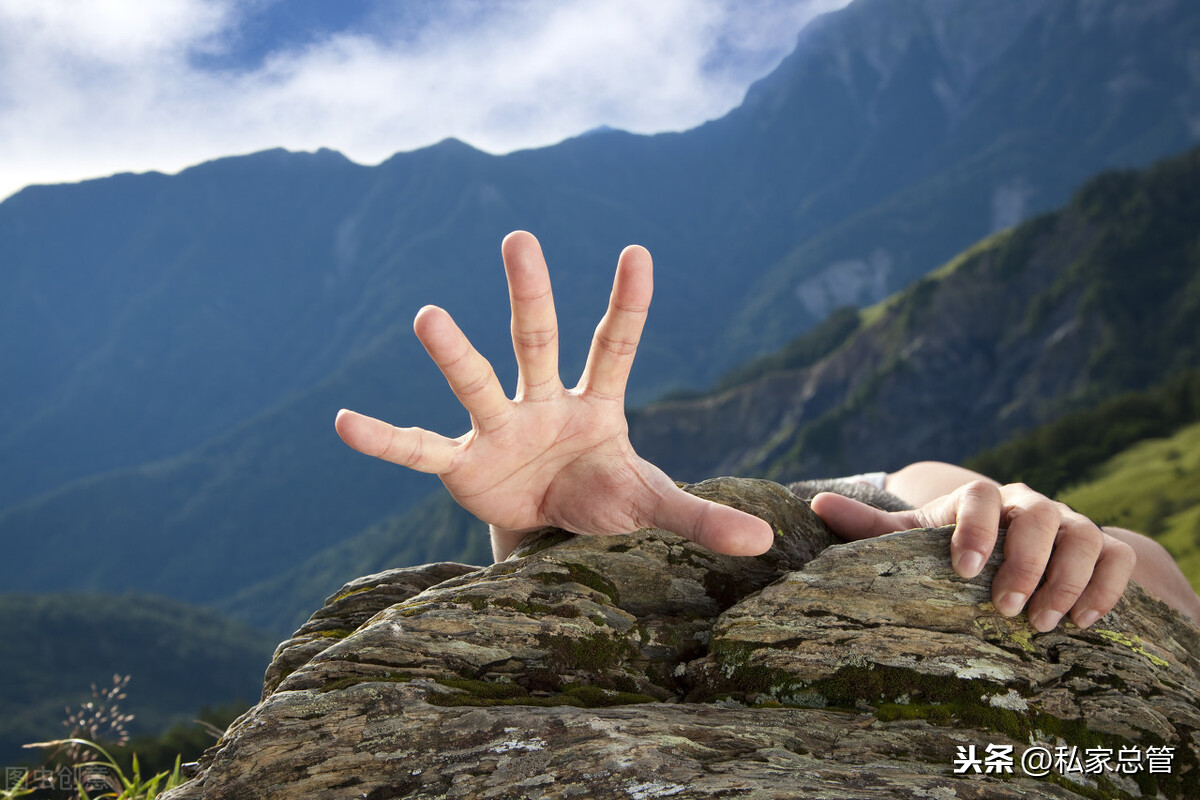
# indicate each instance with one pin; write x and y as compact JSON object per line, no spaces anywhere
{"x":643,"y":666}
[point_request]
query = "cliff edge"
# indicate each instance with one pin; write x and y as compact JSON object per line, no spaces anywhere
{"x":643,"y":666}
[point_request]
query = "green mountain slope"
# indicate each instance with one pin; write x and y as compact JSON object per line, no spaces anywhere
{"x":180,"y":659}
{"x":1055,"y":315}
{"x":1154,"y":488}
{"x":436,"y":529}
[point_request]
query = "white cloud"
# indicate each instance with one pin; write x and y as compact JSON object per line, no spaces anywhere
{"x":92,"y":87}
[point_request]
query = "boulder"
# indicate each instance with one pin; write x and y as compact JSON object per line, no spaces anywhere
{"x":643,"y":666}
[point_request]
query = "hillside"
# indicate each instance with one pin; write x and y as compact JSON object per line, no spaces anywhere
{"x":1154,"y":488}
{"x":1054,"y":315}
{"x":1033,"y":325}
{"x":180,"y":659}
{"x":178,"y":345}
{"x":435,"y":529}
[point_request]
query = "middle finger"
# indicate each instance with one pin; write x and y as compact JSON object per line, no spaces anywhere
{"x":534,"y":320}
{"x":1033,"y":521}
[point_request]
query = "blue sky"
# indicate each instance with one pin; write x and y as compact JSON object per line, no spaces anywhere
{"x":93,"y":87}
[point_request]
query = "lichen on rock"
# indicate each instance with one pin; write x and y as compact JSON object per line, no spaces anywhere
{"x":646,"y":666}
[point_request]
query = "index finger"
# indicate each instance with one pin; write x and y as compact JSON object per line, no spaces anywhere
{"x":615,"y":342}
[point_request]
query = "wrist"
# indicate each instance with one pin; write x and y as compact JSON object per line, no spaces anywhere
{"x":506,"y":540}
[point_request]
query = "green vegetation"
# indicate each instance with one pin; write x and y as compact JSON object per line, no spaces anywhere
{"x":1052,"y":457}
{"x":803,"y":351}
{"x":103,"y":776}
{"x":1133,"y":461}
{"x":1152,"y":487}
{"x":435,"y":529}
{"x":180,"y":658}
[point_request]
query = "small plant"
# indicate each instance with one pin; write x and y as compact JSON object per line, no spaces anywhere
{"x":105,"y":775}
{"x":98,"y":720}
{"x":19,"y":790}
{"x":83,"y":766}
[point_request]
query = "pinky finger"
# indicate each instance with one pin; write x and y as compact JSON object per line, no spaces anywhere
{"x":415,"y":448}
{"x":1110,"y":576}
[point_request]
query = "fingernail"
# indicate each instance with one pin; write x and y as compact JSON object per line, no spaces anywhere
{"x":969,"y":564}
{"x":1086,"y":618}
{"x":1011,"y":604}
{"x":1046,"y":620}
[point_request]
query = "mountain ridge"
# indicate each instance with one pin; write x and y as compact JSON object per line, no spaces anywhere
{"x":227,"y":312}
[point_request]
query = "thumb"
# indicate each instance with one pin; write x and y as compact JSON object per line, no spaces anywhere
{"x":851,"y":520}
{"x":719,"y":528}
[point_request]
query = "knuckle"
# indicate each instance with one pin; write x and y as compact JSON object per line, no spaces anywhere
{"x":1122,"y":554}
{"x":474,"y":385}
{"x":979,"y":488}
{"x":535,"y":339}
{"x":622,"y":348}
{"x":1024,"y":575}
{"x":1064,"y":592}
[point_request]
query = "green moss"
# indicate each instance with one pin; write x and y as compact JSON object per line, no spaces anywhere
{"x":578,"y":573}
{"x":350,"y":593}
{"x":595,"y":697}
{"x":488,"y":690}
{"x":592,"y":653}
{"x":334,"y":633}
{"x":944,"y":700}
{"x":353,"y":680}
{"x":1134,"y":643}
{"x":484,"y":694}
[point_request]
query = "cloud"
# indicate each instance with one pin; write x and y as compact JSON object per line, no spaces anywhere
{"x":92,"y":87}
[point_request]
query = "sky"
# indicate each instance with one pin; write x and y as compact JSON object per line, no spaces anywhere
{"x":94,"y":87}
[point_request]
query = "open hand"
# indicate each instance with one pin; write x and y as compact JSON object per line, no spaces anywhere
{"x":551,"y":455}
{"x":1085,"y":570}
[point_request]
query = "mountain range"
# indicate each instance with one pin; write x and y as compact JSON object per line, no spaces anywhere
{"x":178,"y":345}
{"x":1081,"y":327}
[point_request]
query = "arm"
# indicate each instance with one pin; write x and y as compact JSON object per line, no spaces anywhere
{"x":1085,"y":567}
{"x":549,"y":455}
{"x":1157,"y":571}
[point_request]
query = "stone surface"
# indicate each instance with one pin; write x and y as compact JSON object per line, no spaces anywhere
{"x":643,"y":666}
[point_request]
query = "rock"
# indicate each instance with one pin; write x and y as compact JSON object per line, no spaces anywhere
{"x":643,"y":666}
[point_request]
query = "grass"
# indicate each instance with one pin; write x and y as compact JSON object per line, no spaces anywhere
{"x":1152,"y":487}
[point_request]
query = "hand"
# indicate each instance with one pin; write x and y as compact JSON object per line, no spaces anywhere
{"x":1085,"y":569}
{"x":552,"y":456}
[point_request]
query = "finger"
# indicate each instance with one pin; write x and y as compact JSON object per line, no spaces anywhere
{"x":534,"y":322}
{"x":1110,"y":576}
{"x":615,"y":342}
{"x":977,"y":507}
{"x":1076,"y":549}
{"x":850,"y":519}
{"x":415,"y":448}
{"x":469,"y":374}
{"x":722,"y":529}
{"x":1033,"y":522}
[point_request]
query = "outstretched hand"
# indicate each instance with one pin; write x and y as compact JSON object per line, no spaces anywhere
{"x":1055,"y":559}
{"x":551,"y":455}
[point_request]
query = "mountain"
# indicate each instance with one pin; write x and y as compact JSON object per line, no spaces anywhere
{"x":179,"y":659}
{"x":1063,"y":311}
{"x":435,"y":527}
{"x":177,"y":345}
{"x":1036,"y":327}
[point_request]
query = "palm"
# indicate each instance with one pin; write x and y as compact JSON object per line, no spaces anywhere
{"x":551,"y":456}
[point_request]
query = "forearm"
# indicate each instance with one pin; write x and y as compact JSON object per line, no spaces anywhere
{"x":1157,"y":571}
{"x":505,"y":541}
{"x":923,"y":481}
